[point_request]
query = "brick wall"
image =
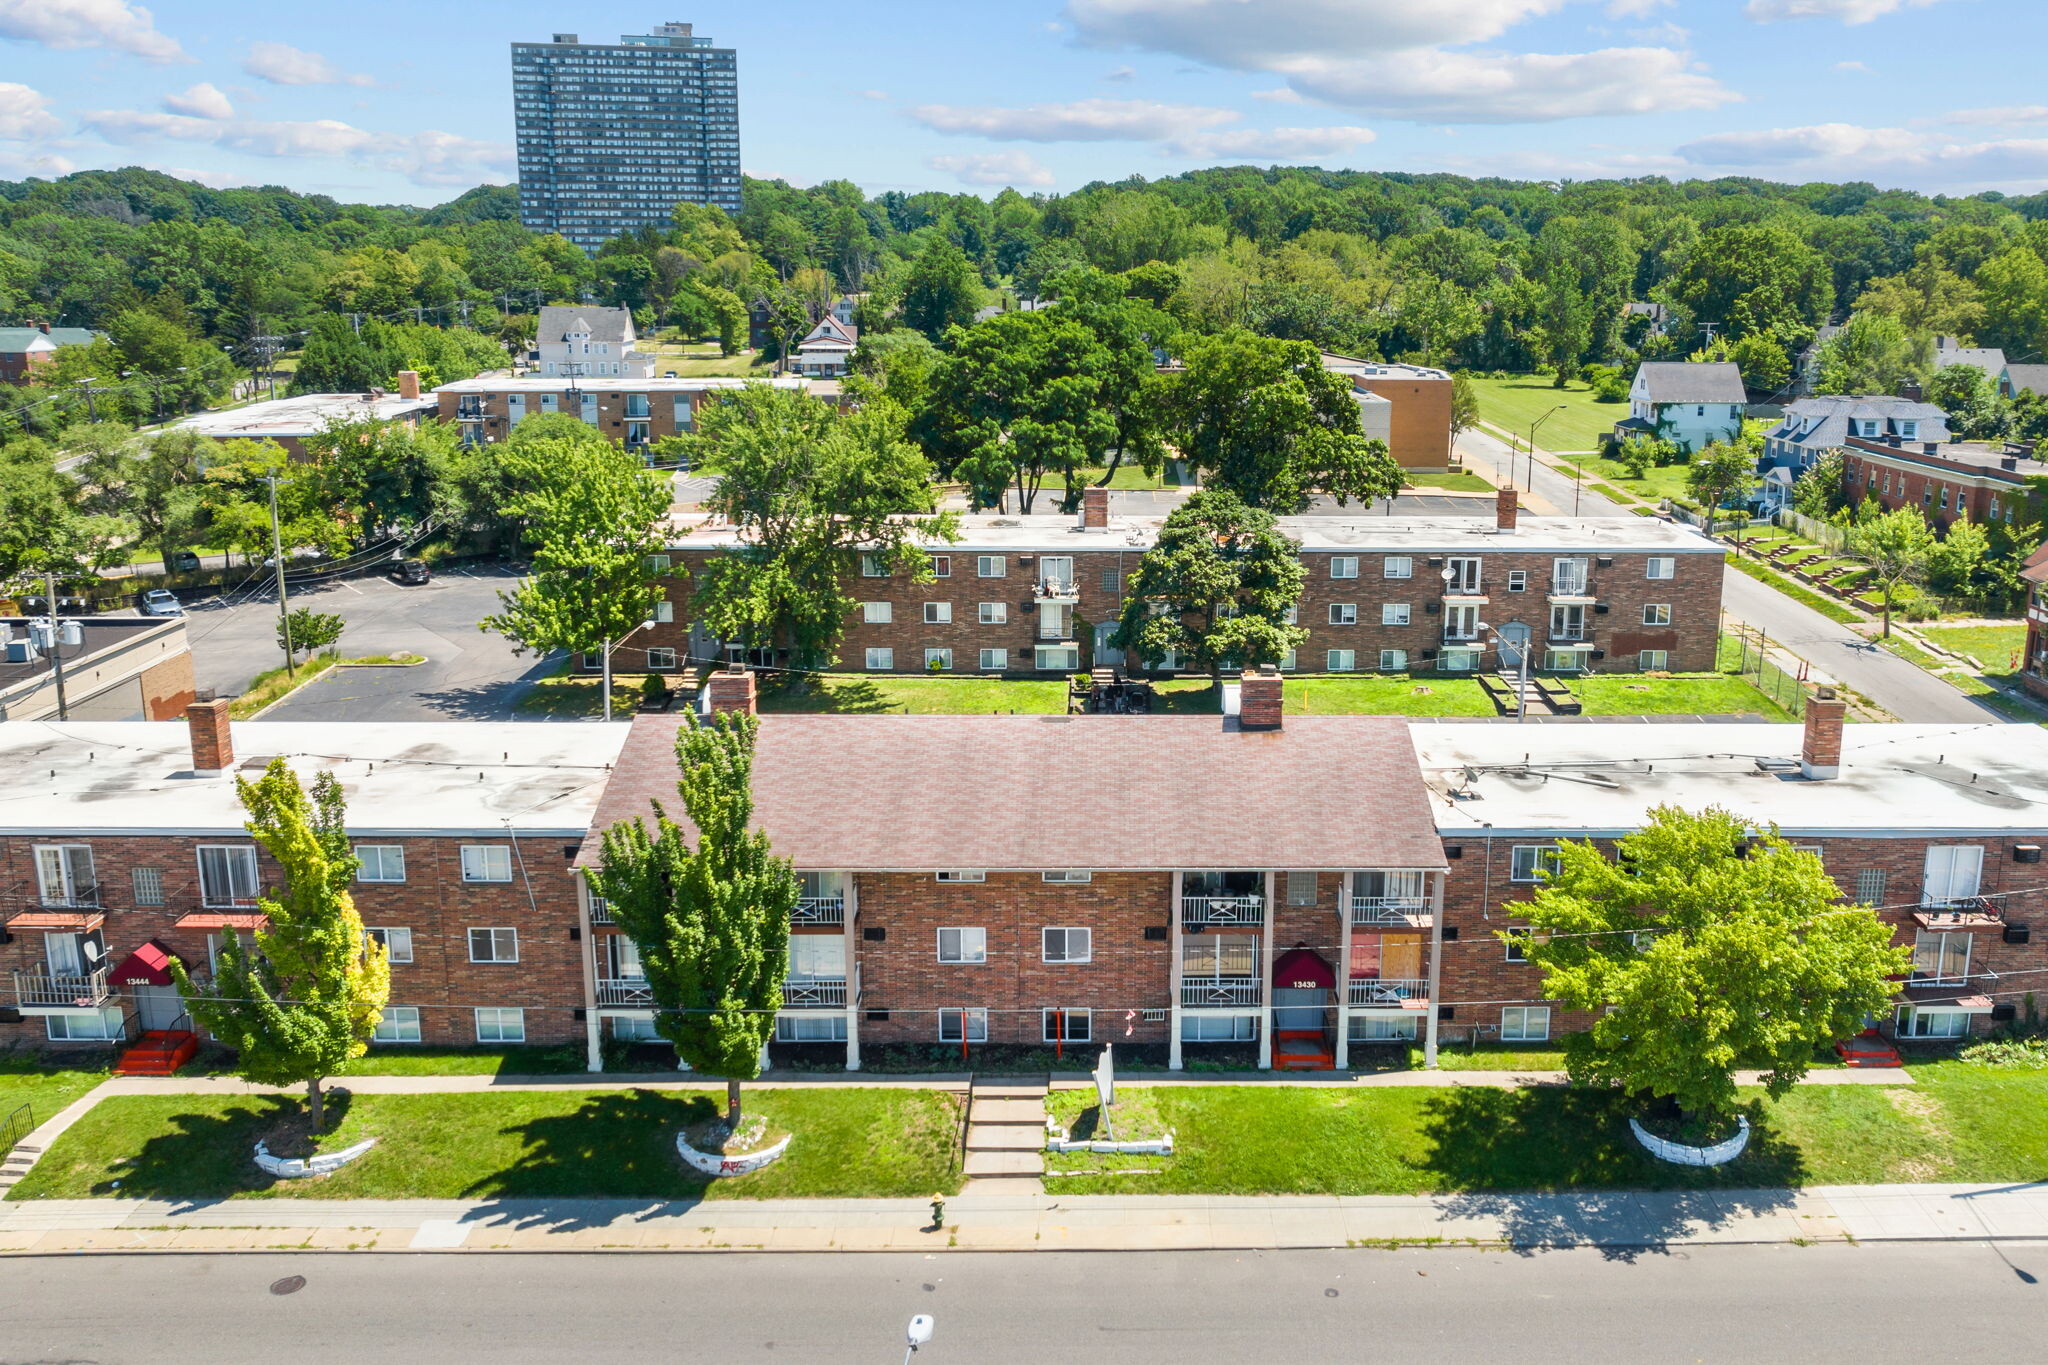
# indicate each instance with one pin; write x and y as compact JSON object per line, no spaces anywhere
{"x":1419,"y":424}
{"x":167,"y":687}
{"x":612,"y":409}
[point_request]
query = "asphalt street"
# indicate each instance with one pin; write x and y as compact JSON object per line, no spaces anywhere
{"x":1815,"y":1304}
{"x":469,"y":674}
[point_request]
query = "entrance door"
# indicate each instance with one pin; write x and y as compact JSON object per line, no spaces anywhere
{"x":159,"y":1007}
{"x":1514,"y":638}
{"x":1106,"y":654}
{"x":1303,"y":990}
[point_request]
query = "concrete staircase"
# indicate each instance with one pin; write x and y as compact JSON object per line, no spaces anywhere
{"x":16,"y":1165}
{"x":1006,"y":1135}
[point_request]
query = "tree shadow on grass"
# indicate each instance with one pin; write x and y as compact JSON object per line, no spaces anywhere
{"x":211,"y":1155}
{"x":1558,"y":1167}
{"x":573,"y":1168}
{"x":848,"y":696}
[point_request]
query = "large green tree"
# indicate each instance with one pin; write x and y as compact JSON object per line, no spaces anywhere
{"x":1754,"y":277}
{"x":1705,"y":947}
{"x":711,"y":919}
{"x":1217,"y":586}
{"x":942,"y":290}
{"x":1897,"y":547}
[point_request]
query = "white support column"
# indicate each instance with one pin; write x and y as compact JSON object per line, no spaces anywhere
{"x":1436,"y":968}
{"x":1173,"y":1062}
{"x":1266,"y":979}
{"x":851,"y":891}
{"x":593,"y":1040}
{"x":1344,"y":972}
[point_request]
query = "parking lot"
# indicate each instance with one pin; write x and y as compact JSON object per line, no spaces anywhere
{"x":469,"y":674}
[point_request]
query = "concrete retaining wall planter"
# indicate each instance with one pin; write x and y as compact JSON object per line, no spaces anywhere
{"x":1151,"y":1147}
{"x":290,"y":1168}
{"x":715,"y":1164}
{"x":1678,"y":1154}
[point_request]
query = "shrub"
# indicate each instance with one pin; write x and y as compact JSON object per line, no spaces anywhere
{"x":2028,"y":1054}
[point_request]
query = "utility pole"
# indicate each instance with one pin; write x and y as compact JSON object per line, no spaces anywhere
{"x":355,"y":322}
{"x":92,"y":410}
{"x":56,"y":644}
{"x":284,"y":611}
{"x":1707,"y":331}
{"x":268,"y":345}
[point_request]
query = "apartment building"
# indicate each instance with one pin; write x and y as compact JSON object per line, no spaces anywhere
{"x":118,"y":668}
{"x":1950,"y":481}
{"x":291,"y":421}
{"x":1021,"y":595}
{"x":2033,"y":673}
{"x":1407,"y":406}
{"x":634,"y":412}
{"x":612,"y":136}
{"x":589,"y":343}
{"x":123,"y":844}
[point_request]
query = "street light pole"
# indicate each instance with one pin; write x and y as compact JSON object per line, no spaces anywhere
{"x":1532,"y":445}
{"x":284,"y":613}
{"x":56,"y":643}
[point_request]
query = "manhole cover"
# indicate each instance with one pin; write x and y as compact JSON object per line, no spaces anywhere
{"x":290,"y":1284}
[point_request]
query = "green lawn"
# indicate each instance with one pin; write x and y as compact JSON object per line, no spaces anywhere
{"x":577,"y":693}
{"x":703,"y":364}
{"x":849,"y":1143}
{"x":1706,"y":694}
{"x":1520,"y":399}
{"x":861,"y":693}
{"x":46,"y":1086}
{"x":1795,"y":590}
{"x":1460,"y":482}
{"x":1960,"y":1123}
{"x":1994,"y":648}
{"x":466,"y":1061}
{"x":1659,"y":481}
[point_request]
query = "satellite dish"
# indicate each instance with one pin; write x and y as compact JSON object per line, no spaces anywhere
{"x":93,"y":951}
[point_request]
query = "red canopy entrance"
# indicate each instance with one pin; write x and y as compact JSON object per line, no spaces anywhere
{"x":149,"y":965}
{"x":1300,"y":969}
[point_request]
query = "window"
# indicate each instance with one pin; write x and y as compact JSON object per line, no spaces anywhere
{"x":1341,"y":660}
{"x":872,"y":566}
{"x":1518,"y":580}
{"x":1343,"y":613}
{"x":806,"y":1028}
{"x":995,"y":658}
{"x":590,"y":663}
{"x":1909,"y":430}
{"x":1377,"y":1028}
{"x":397,"y":943}
{"x":1461,"y":621}
{"x":398,"y":1024}
{"x":1953,"y":873}
{"x":1292,"y":616}
{"x":995,"y":613}
{"x":634,"y":1030}
{"x":877,"y":613}
{"x":938,"y":613}
{"x":1397,"y":566}
{"x":1068,"y":945}
{"x":1656,"y":613}
{"x":1653,"y":660}
{"x":1568,"y":621}
{"x":1525,"y":1024}
{"x":1109,"y":583}
{"x":1525,"y":861}
{"x":1944,"y":497}
{"x":938,"y":660}
{"x":1516,"y":945}
{"x":1204,"y":1028}
{"x":1301,"y":888}
{"x":64,"y":874}
{"x":665,"y":613}
{"x":658,"y":564}
{"x":1393,"y":660}
{"x":1568,"y":577}
{"x":1057,"y":658}
{"x":1870,"y":886}
{"x":1067,"y":878}
{"x":963,"y":945}
{"x":1915,"y":1022}
{"x":1941,"y":958}
{"x":661,"y":658}
{"x":227,"y":875}
{"x":486,"y":863}
{"x":1343,"y":566}
{"x":149,"y":885}
{"x":1056,"y":570}
{"x":1563,"y":660}
{"x":1660,"y":566}
{"x":98,"y":1025}
{"x":812,"y":957}
{"x":1070,"y":1026}
{"x":1287,"y":663}
{"x":963,"y":1026}
{"x":381,"y":862}
{"x":494,"y":945}
{"x":1458,"y":660}
{"x":991,"y":566}
{"x":942,"y":566}
{"x":496,"y":1025}
{"x":959,"y":875}
{"x":881,"y":659}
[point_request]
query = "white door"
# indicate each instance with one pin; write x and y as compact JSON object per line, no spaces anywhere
{"x":1514,"y":639}
{"x":1954,"y":872}
{"x":159,"y":1007}
{"x":1107,"y":655}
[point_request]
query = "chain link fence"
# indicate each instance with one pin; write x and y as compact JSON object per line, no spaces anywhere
{"x":1754,"y":664}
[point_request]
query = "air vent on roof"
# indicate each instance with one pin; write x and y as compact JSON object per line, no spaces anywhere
{"x":1777,"y":765}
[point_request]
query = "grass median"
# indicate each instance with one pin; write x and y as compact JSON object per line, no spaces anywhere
{"x":849,"y":1143}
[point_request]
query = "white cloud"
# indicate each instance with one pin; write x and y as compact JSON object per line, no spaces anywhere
{"x":1411,"y":60}
{"x":283,"y":64}
{"x":1122,"y":73}
{"x":1902,"y":156}
{"x":1011,"y":169}
{"x":1636,"y":9}
{"x":1286,"y":94}
{"x":203,"y":100}
{"x":1851,"y":66}
{"x":1848,"y":11}
{"x":20,"y":166}
{"x":219,"y":180}
{"x":878,"y":96}
{"x":1095,"y":120}
{"x":25,"y":114}
{"x":429,"y":157}
{"x":67,"y":24}
{"x":2003,"y":115}
{"x":1270,"y":144}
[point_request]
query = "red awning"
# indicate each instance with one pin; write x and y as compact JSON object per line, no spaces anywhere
{"x":148,"y":965}
{"x":223,"y":919}
{"x":1301,"y":969}
{"x":84,"y":921}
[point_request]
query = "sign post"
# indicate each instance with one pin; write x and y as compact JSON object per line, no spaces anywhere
{"x":1105,"y":1087}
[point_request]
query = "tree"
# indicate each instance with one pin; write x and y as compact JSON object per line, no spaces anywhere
{"x":1872,"y":354}
{"x":1129,"y":386}
{"x":1464,"y":406}
{"x":41,"y":526}
{"x":1960,"y":562}
{"x":808,"y":489}
{"x":1754,"y":277}
{"x":1721,"y":470}
{"x":310,"y":631}
{"x":1897,"y":547}
{"x":1265,"y":421}
{"x":300,"y":1001}
{"x":1217,"y":585}
{"x":1970,"y":398}
{"x":1818,"y":492}
{"x":337,"y":359}
{"x":1761,"y":358}
{"x":1705,"y":947}
{"x":1640,"y":451}
{"x":942,"y":290}
{"x":388,"y":474}
{"x":711,"y":922}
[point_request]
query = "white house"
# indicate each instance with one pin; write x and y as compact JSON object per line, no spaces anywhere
{"x":1689,"y":403}
{"x":589,"y":343}
{"x":827,"y":352}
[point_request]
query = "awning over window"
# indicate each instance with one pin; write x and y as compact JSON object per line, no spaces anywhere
{"x":83,"y":921}
{"x":246,"y":921}
{"x":149,"y":965}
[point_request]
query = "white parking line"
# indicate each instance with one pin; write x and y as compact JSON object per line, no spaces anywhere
{"x":350,"y":586}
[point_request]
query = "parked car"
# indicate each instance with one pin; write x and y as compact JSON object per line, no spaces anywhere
{"x":161,"y":602}
{"x":410,"y":572}
{"x":183,"y":561}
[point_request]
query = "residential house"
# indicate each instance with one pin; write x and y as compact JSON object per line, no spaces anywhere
{"x":1806,"y":365}
{"x":1948,"y":351}
{"x":23,"y":350}
{"x":2021,"y":379}
{"x":1690,"y":403}
{"x":1811,"y":427}
{"x":2034,"y":654}
{"x":573,"y":341}
{"x":826,"y":351}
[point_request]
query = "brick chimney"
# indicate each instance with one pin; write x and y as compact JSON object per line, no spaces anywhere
{"x":1820,"y":756}
{"x":732,"y":690}
{"x":1507,"y":509}
{"x":1259,"y":699}
{"x":213,"y":744}
{"x":43,"y":327}
{"x":1095,"y":509}
{"x":408,"y":383}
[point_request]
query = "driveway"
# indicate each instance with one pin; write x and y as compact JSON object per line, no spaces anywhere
{"x":469,"y":674}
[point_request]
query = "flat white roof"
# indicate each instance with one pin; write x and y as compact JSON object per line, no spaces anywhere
{"x":1581,"y":780}
{"x":302,"y":415}
{"x":624,"y":383}
{"x":425,"y":778}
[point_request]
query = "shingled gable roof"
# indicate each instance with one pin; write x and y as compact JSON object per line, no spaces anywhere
{"x":1691,"y":381}
{"x":604,"y":324}
{"x":1107,"y":793}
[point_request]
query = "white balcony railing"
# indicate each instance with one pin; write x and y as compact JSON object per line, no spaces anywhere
{"x":814,"y":994}
{"x":819,"y":910}
{"x":43,"y":989}
{"x":1568,"y":587}
{"x":631,"y":991}
{"x":1387,"y":990}
{"x":1387,"y":909}
{"x":1198,"y":992}
{"x":1056,"y":591}
{"x":1222,"y":910}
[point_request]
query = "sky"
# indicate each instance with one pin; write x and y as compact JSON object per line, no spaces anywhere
{"x":388,"y":102}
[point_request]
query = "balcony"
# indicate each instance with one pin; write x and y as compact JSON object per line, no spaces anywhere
{"x":1055,"y":591}
{"x":1219,"y":992}
{"x":1208,"y":910}
{"x":42,"y":992}
{"x":624,"y":992}
{"x":819,"y":994}
{"x":1963,"y":912}
{"x":601,"y":911}
{"x":1569,"y":635}
{"x":1411,"y":912}
{"x":78,"y":898}
{"x":819,"y":911}
{"x":1382,"y":992}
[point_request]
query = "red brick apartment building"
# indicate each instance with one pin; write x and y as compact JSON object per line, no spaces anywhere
{"x":1284,"y":890}
{"x":634,"y":412}
{"x":1024,"y":595}
{"x":1948,"y":480}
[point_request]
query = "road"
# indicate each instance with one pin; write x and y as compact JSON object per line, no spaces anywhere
{"x":1817,"y":1305}
{"x":1907,"y":692}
